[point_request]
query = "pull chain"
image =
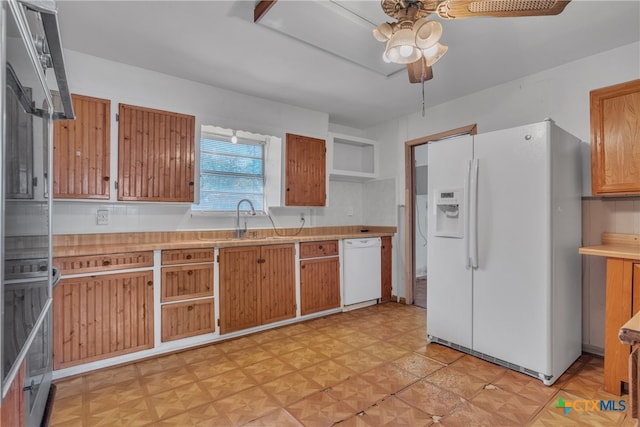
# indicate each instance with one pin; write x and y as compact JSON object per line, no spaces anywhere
{"x":422,"y":76}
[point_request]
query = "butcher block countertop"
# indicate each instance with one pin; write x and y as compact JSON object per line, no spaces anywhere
{"x":613,"y":245}
{"x":96,"y":244}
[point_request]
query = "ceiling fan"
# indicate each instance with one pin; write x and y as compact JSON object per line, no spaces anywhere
{"x":414,"y":39}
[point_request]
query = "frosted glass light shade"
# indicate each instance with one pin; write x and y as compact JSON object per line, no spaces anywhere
{"x":428,"y":33}
{"x":402,"y":48}
{"x":383,"y":32}
{"x":434,"y":53}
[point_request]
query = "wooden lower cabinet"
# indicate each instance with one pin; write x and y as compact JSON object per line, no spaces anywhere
{"x":103,"y":316}
{"x":13,"y":409}
{"x":187,"y":319}
{"x":319,"y":284}
{"x":277,"y":283}
{"x":257,"y":286}
{"x":319,"y":276}
{"x":386,"y":263}
{"x":622,"y":302}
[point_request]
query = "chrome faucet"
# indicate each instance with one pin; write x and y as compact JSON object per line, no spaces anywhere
{"x":241,"y":231}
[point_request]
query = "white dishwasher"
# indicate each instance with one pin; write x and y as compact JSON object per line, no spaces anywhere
{"x":361,"y":270}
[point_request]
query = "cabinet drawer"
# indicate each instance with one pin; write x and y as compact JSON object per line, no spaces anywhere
{"x":184,"y":256}
{"x":318,"y":249}
{"x":187,"y":281}
{"x":95,"y":263}
{"x":186,"y":319}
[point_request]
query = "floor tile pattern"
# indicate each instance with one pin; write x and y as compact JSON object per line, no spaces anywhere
{"x":367,"y":367}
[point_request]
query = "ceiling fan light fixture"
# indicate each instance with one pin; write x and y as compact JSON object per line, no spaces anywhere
{"x":383,"y":32}
{"x":428,"y":33}
{"x":402,"y":48}
{"x":434,"y":53}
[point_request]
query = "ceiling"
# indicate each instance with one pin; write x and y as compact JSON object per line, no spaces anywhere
{"x":217,"y":43}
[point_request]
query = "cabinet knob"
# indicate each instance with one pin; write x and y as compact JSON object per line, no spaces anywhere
{"x":150,"y":283}
{"x":191,"y":183}
{"x":190,"y":272}
{"x":106,"y":178}
{"x":106,"y":262}
{"x":320,"y":247}
{"x":189,"y":256}
{"x":288,"y":189}
{"x":190,"y":308}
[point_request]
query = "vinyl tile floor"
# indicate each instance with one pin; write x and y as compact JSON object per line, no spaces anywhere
{"x":367,"y":367}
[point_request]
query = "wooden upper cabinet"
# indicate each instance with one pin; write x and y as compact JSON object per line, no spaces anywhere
{"x":155,"y":155}
{"x":615,"y":139}
{"x":306,"y":171}
{"x":81,"y":151}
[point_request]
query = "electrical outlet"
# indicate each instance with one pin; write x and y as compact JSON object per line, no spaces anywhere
{"x":102,"y":217}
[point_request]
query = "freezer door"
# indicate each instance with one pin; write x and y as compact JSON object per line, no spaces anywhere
{"x":511,"y":311}
{"x":448,"y":277}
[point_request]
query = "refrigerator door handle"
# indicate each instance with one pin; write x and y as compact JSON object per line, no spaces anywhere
{"x":467,"y":178}
{"x":473,"y":221}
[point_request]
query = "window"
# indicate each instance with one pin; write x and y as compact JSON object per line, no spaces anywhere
{"x":230,"y":172}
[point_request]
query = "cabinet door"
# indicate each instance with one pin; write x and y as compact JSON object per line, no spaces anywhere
{"x":187,"y":319}
{"x":305,"y":178}
{"x":13,"y":408}
{"x":319,"y":284}
{"x":81,"y":151}
{"x":615,"y":120}
{"x":385,"y":254}
{"x":278,"y":283}
{"x":155,"y":155}
{"x":239,"y":291}
{"x":99,"y":317}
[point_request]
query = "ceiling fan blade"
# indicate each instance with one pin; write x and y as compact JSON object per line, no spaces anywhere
{"x":450,"y":9}
{"x":415,"y":70}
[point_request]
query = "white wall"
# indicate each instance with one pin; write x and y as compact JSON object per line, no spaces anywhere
{"x":561,"y":93}
{"x":89,"y":75}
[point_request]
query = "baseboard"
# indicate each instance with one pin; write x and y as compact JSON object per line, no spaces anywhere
{"x":591,"y":349}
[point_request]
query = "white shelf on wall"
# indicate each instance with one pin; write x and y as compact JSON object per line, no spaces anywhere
{"x":352,"y":158}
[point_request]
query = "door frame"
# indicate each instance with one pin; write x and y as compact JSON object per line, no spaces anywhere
{"x":409,"y":200}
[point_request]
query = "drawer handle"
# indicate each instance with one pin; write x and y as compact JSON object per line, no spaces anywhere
{"x":190,"y":272}
{"x":106,"y":262}
{"x":189,"y":256}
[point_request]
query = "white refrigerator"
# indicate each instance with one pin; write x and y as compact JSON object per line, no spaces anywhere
{"x":504,"y":227}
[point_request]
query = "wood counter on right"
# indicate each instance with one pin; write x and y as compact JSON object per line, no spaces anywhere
{"x":622,"y":301}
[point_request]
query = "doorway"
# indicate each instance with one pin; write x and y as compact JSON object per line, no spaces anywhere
{"x":416,"y":200}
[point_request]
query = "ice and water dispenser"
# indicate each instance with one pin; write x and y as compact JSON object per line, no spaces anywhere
{"x":449,"y":212}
